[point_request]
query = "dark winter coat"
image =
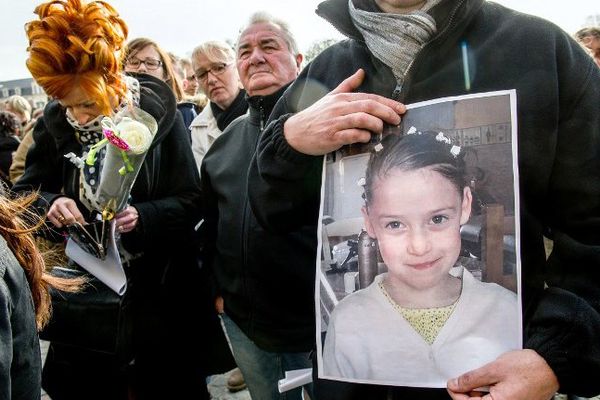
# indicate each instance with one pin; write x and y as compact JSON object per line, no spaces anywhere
{"x":20,"y":360}
{"x":8,"y":145}
{"x":166,"y":195}
{"x":558,"y":93}
{"x":266,"y":292}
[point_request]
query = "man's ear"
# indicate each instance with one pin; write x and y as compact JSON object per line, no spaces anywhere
{"x":299,"y":57}
{"x":466,"y":205}
{"x":367,"y":221}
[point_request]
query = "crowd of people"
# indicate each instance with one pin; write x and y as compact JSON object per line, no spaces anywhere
{"x":220,"y":228}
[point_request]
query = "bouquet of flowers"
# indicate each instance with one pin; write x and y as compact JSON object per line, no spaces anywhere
{"x":128,"y":138}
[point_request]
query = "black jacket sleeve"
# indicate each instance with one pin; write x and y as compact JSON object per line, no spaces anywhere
{"x":564,"y":324}
{"x":284,"y":185}
{"x":168,"y":205}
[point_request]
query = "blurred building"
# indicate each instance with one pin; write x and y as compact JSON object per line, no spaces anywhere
{"x":26,"y":88}
{"x":592,"y":20}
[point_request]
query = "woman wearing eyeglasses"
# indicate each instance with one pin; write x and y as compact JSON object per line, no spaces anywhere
{"x":215,"y":70}
{"x":143,"y":55}
{"x":76,"y":55}
{"x":146,"y":56}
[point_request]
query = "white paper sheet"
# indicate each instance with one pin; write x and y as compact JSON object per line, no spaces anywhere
{"x":109,"y":271}
{"x":372,"y":342}
{"x":294,"y":379}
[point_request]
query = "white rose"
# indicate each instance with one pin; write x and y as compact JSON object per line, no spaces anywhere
{"x":135,"y":134}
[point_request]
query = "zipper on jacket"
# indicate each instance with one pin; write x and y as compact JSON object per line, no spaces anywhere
{"x":396,"y":92}
{"x":246,"y":227}
{"x":261,"y":115}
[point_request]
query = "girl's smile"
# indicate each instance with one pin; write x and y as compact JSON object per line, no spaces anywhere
{"x":416,"y":216}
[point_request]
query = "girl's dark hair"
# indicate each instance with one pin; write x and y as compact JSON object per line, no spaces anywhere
{"x":9,"y":124}
{"x":415,"y":151}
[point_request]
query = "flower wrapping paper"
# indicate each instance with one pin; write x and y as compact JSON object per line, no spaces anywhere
{"x":137,"y":129}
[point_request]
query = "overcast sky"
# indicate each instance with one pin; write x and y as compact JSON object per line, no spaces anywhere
{"x":179,"y":25}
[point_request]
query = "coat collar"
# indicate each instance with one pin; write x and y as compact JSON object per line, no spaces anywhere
{"x":450,"y":15}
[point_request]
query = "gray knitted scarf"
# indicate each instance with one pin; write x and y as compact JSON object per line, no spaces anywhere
{"x":395,"y":39}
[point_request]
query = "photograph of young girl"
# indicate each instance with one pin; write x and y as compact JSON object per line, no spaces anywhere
{"x":426,"y":319}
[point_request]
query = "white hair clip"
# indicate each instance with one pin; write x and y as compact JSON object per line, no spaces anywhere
{"x":378,"y":147}
{"x":411,"y":131}
{"x":441,"y":138}
{"x":455,"y":151}
{"x":361,"y":182}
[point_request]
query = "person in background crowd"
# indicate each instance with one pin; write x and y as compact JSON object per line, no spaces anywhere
{"x":268,"y":303}
{"x":84,"y":75}
{"x":187,"y":105}
{"x":143,"y":55}
{"x":22,"y":109}
{"x":214,"y":68}
{"x":405,"y":51}
{"x":175,"y":59}
{"x":590,"y":39}
{"x":9,"y":128}
{"x":189,"y":81}
{"x":24,"y":299}
{"x":213,"y":63}
{"x":18,"y":162}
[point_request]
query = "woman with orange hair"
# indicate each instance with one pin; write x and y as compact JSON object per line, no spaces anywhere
{"x":76,"y":52}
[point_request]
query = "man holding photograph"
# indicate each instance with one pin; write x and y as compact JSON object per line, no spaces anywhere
{"x":409,"y":51}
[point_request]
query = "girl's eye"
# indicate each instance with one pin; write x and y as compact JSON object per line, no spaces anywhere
{"x":393,"y":225}
{"x":439,"y":219}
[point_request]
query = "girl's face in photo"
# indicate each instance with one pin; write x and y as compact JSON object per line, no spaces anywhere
{"x":416,"y":217}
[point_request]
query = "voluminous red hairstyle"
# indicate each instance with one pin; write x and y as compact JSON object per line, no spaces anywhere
{"x":78,"y":44}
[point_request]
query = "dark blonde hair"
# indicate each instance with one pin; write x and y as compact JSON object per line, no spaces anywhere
{"x":76,"y":43}
{"x":20,"y":106}
{"x":215,"y":51}
{"x":171,"y":78}
{"x":17,"y":225}
{"x":586,"y":32}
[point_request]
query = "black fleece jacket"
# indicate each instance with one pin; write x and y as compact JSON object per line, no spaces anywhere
{"x":558,"y":93}
{"x":268,"y":293}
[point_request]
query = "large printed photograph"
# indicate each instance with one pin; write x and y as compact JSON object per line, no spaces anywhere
{"x":418,"y":271}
